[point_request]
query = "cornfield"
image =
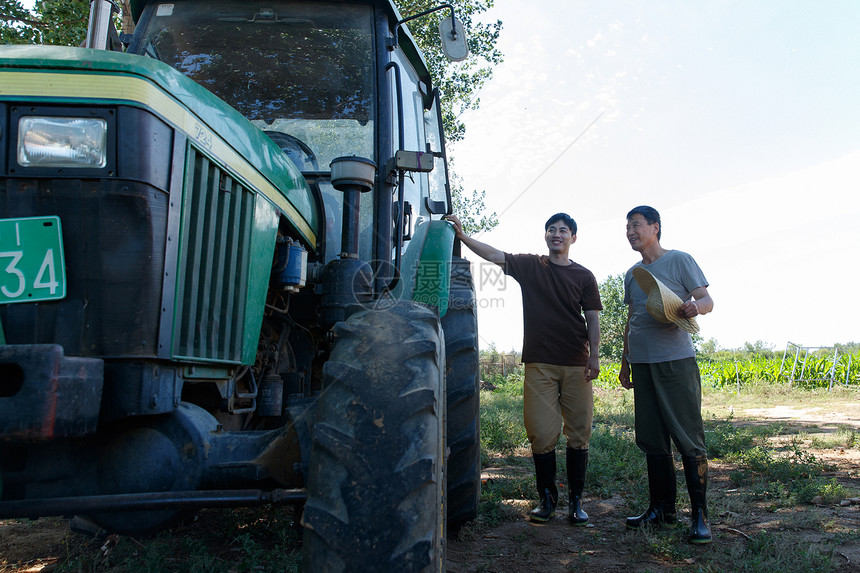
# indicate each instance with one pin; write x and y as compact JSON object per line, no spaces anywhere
{"x":812,"y":371}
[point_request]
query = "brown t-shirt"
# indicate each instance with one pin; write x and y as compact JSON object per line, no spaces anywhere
{"x":554,"y":299}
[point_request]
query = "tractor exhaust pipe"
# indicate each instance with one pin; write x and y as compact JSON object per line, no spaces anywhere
{"x":101,"y":15}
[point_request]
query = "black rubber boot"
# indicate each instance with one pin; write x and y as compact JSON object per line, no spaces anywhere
{"x":545,"y":474}
{"x":696,"y":473}
{"x":662,"y":490}
{"x":577,"y":462}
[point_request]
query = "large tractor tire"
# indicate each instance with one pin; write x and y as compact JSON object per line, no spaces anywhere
{"x":460,"y":325}
{"x":375,"y":483}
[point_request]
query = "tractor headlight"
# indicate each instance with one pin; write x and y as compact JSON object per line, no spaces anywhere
{"x":62,"y":142}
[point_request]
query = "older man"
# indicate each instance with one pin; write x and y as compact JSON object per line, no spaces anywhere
{"x":658,"y":351}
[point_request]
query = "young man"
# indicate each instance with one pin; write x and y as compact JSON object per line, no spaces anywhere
{"x":665,"y":377}
{"x":560,"y":356}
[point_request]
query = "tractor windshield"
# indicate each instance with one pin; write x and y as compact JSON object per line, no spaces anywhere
{"x":302,"y":72}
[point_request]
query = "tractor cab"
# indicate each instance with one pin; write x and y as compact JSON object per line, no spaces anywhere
{"x":323,"y":80}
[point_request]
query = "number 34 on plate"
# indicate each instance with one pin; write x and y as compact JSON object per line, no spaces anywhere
{"x":32,"y":266}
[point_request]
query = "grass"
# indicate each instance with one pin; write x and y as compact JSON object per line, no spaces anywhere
{"x":844,"y":437}
{"x":786,"y":474}
{"x":771,"y":471}
{"x":259,"y":540}
{"x":503,"y":431}
{"x":768,"y":551}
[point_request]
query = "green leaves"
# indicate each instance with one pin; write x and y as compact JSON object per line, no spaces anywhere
{"x":63,"y":22}
{"x":471,"y":210}
{"x":746,"y":369}
{"x":613,"y":317}
{"x":458,"y":82}
{"x":58,"y":22}
{"x":17,"y":25}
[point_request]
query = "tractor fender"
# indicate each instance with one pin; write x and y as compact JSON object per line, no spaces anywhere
{"x":425,"y":271}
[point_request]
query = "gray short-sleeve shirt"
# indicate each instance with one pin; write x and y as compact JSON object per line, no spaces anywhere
{"x":649,"y":341}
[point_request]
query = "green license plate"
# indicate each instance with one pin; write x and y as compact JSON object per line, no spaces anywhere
{"x":32,"y":267}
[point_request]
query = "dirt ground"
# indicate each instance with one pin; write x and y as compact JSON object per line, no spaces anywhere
{"x":604,"y":544}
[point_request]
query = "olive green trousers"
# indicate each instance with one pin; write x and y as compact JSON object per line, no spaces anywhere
{"x":668,"y":403}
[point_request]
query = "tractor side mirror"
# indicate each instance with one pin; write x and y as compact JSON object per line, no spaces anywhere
{"x":453,"y":36}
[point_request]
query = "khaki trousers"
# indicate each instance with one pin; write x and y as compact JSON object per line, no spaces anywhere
{"x":556,"y":397}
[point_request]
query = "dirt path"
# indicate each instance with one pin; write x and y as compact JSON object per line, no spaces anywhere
{"x":826,"y":419}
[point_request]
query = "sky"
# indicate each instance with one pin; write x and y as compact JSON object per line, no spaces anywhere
{"x":739,"y":121}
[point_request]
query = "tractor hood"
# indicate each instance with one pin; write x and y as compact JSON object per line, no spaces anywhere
{"x":53,"y":74}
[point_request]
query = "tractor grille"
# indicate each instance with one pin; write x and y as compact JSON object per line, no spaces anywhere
{"x":114,"y":240}
{"x":214,"y":254}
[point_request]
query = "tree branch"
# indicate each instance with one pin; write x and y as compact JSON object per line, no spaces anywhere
{"x":34,"y":23}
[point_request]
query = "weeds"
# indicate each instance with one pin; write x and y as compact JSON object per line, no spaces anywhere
{"x":231,"y":541}
{"x":844,"y":437}
{"x":497,"y":495}
{"x":723,"y":438}
{"x":666,"y":545}
{"x":767,"y":552}
{"x":772,"y":471}
{"x":502,"y":427}
{"x":788,"y":479}
{"x":615,"y":463}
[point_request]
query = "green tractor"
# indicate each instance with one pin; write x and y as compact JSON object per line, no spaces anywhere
{"x":225,"y":281}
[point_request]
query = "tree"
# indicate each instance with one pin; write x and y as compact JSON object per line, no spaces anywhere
{"x":613,"y":317}
{"x":126,"y":22}
{"x":470,"y":209}
{"x":709,"y":347}
{"x":57,"y":22}
{"x":17,"y":25}
{"x":63,"y":22}
{"x":458,"y":82}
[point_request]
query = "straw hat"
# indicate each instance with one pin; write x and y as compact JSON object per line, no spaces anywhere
{"x":663,"y":305}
